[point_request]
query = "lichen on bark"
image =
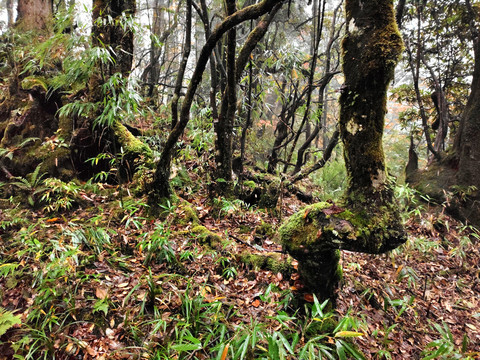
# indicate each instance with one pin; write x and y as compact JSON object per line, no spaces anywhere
{"x":367,"y":219}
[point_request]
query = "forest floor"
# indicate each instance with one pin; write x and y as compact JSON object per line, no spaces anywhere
{"x":106,"y":281}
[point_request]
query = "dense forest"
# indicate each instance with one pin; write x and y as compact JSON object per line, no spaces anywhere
{"x":242,"y":179}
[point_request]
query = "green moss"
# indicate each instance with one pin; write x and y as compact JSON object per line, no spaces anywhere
{"x":301,"y":228}
{"x":264,"y":229}
{"x":207,"y":237}
{"x":273,"y":262}
{"x":244,"y":229}
{"x":269,"y":196}
{"x":186,"y":214}
{"x":250,"y":184}
{"x":130,"y":143}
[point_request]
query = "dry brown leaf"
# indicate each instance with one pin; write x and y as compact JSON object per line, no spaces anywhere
{"x":101,"y":292}
{"x":70,"y":348}
{"x":334,"y":209}
{"x":91,"y":351}
{"x":308,"y":297}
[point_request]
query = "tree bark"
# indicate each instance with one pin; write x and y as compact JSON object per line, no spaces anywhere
{"x":203,"y":12}
{"x":466,"y":144}
{"x":371,"y":49}
{"x":109,"y":34}
{"x":224,"y":124}
{"x":117,"y":39}
{"x":9,"y":13}
{"x":34,"y":14}
{"x":183,"y":64}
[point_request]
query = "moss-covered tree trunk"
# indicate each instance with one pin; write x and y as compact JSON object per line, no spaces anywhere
{"x":370,"y":52}
{"x":110,"y":31}
{"x":368,"y":219}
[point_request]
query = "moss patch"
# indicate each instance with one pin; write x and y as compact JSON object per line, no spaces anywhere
{"x":273,"y":261}
{"x":185,"y":214}
{"x":264,"y":230}
{"x":207,"y":237}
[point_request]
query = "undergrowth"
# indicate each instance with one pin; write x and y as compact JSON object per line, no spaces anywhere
{"x":105,"y":280}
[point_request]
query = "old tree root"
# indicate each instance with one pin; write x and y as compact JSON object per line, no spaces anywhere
{"x":315,"y":236}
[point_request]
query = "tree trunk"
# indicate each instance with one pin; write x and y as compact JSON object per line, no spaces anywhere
{"x":368,"y":220}
{"x":224,"y":124}
{"x":118,"y":39}
{"x":109,"y":33}
{"x":203,"y":12}
{"x":34,"y":14}
{"x":183,"y":64}
{"x":371,"y":48}
{"x":9,"y":13}
{"x":467,"y":148}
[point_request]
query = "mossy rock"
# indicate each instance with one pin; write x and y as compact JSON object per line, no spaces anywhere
{"x":186,"y":214}
{"x":274,"y":262}
{"x":264,"y":230}
{"x":207,"y":237}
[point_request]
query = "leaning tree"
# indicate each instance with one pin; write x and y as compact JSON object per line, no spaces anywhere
{"x":160,"y":187}
{"x":367,"y":220}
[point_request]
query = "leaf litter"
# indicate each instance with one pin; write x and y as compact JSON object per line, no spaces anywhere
{"x":108,"y":293}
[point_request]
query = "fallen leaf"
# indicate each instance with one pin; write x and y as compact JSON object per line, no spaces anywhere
{"x":348,"y":334}
{"x":308,"y":297}
{"x":256,"y":303}
{"x":101,"y":292}
{"x":122,"y":285}
{"x":91,"y":351}
{"x":306,"y":213}
{"x":69,"y":349}
{"x":334,"y":209}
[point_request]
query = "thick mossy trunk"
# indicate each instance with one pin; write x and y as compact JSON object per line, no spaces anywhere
{"x":109,"y":31}
{"x":30,"y":134}
{"x":368,"y":220}
{"x":371,"y":49}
